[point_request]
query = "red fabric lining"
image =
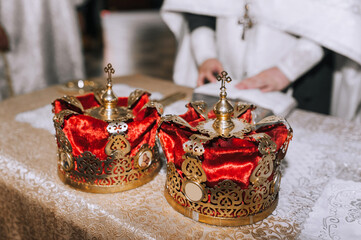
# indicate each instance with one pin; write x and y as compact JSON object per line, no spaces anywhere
{"x":86,"y":133}
{"x":88,"y":101}
{"x":232,"y":158}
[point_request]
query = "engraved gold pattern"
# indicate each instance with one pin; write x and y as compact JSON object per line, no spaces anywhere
{"x":176,"y":119}
{"x":266,"y":145}
{"x":206,"y":127}
{"x":193,"y":188}
{"x":226,"y":202}
{"x":73,"y":101}
{"x":58,"y":118}
{"x":263,"y":170}
{"x":201,"y":108}
{"x":65,"y":156}
{"x":134,"y":96}
{"x":124,"y":114}
{"x":192,"y":169}
{"x":63,"y":141}
{"x":270,"y":120}
{"x":241,"y":108}
{"x":118,"y":146}
{"x":107,"y":176}
{"x":158,"y":106}
{"x":241,"y":128}
{"x":195,"y":144}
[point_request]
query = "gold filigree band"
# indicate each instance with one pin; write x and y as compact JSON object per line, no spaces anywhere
{"x":225,"y":204}
{"x":87,"y":187}
{"x":231,"y":222}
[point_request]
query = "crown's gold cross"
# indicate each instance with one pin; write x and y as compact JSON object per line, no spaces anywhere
{"x":224,"y":78}
{"x":110,"y":70}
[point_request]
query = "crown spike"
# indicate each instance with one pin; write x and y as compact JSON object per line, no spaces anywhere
{"x":109,"y":109}
{"x":223,"y":77}
{"x":110,"y":70}
{"x":223,"y":108}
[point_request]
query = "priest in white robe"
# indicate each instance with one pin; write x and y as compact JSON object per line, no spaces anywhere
{"x":285,"y":42}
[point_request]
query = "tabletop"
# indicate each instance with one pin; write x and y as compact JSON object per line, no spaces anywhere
{"x":320,"y":195}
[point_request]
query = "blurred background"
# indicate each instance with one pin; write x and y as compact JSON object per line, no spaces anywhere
{"x":130,"y":34}
{"x":47,"y":42}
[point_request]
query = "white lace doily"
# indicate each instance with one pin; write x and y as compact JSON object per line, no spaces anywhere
{"x":337,"y":213}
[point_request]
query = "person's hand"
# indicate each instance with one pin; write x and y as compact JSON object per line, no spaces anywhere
{"x":207,"y":70}
{"x":268,"y":80}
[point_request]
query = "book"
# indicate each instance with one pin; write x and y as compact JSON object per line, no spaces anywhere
{"x":279,"y":103}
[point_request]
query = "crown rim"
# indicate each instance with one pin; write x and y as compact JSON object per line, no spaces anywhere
{"x":88,"y":187}
{"x":220,"y":221}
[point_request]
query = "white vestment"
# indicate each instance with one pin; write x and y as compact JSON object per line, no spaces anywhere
{"x":334,"y":24}
{"x":45,"y":45}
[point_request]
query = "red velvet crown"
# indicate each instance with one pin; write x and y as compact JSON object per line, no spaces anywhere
{"x":223,"y":179}
{"x":106,"y":156}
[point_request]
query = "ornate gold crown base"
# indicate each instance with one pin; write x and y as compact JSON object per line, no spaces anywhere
{"x":87,"y":187}
{"x":230,"y":222}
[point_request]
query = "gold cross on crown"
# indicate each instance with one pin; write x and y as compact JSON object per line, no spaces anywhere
{"x":224,"y":78}
{"x":110,"y":70}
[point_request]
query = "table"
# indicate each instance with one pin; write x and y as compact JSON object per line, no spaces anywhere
{"x":321,"y":173}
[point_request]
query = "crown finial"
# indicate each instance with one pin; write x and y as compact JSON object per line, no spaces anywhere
{"x":224,"y":78}
{"x":109,"y":109}
{"x":110,"y":70}
{"x":223,"y":108}
{"x":109,"y":99}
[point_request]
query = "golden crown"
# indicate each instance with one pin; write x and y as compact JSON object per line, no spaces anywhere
{"x":222,"y":168}
{"x":107,"y":144}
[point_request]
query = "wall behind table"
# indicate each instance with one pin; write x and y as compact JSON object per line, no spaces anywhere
{"x":138,"y":42}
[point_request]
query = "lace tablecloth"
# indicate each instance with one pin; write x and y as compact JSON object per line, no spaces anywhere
{"x":320,"y":196}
